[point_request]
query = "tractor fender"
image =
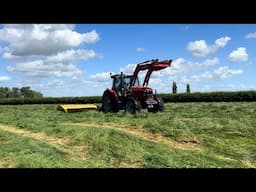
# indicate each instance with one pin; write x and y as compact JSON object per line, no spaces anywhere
{"x":113,"y":93}
{"x":114,"y":98}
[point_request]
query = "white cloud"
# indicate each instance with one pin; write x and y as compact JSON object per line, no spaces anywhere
{"x":225,"y":72}
{"x":140,"y":49}
{"x":208,"y":75}
{"x":250,"y":35}
{"x":8,"y":55}
{"x":44,"y":50}
{"x":182,"y":66}
{"x":40,"y":68}
{"x":209,"y":62}
{"x":178,"y":66}
{"x":128,"y":69}
{"x":220,"y":73}
{"x":4,"y":49}
{"x":222,"y":42}
{"x":58,"y":65}
{"x":238,"y":55}
{"x":34,"y":39}
{"x":69,"y":55}
{"x":4,"y":78}
{"x":100,"y":77}
{"x":200,"y":48}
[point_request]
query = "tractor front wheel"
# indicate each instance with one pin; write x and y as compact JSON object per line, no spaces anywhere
{"x":130,"y":106}
{"x":160,"y":104}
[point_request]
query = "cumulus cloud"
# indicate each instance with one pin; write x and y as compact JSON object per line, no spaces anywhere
{"x":44,"y":50}
{"x":4,"y":78}
{"x":238,"y":55}
{"x":8,"y":55}
{"x":200,"y":48}
{"x":40,"y":68}
{"x":40,"y":39}
{"x":222,"y":42}
{"x":70,"y":55}
{"x":128,"y":69}
{"x":208,"y":62}
{"x":58,"y":65}
{"x":182,"y":66}
{"x":225,"y":72}
{"x":100,"y":77}
{"x":219,"y":73}
{"x":250,"y":35}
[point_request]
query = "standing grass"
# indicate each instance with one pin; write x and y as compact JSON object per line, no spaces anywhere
{"x":225,"y":133}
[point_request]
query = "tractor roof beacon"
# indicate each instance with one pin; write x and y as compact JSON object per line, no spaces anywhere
{"x":127,"y":93}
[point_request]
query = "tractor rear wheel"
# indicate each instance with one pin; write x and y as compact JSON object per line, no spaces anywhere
{"x":108,"y":104}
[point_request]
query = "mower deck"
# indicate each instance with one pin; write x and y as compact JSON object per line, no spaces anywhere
{"x":76,"y":107}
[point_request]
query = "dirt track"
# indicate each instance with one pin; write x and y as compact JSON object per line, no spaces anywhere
{"x":142,"y":133}
{"x":74,"y":152}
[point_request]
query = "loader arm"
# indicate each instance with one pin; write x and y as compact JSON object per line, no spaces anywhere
{"x":151,"y":65}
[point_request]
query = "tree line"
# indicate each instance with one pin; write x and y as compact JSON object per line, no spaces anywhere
{"x":23,"y":92}
{"x":167,"y":97}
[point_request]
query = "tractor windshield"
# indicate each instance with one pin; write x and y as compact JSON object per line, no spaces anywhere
{"x":127,"y":81}
{"x":137,"y":83}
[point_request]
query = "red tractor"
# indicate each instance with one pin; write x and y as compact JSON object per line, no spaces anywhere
{"x":127,"y":93}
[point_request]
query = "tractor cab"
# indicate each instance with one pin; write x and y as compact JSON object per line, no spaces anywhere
{"x":121,"y":83}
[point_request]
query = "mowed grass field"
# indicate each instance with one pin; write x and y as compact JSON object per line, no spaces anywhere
{"x":185,"y":135}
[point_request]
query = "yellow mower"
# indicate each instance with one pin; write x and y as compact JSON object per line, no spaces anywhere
{"x":77,"y":107}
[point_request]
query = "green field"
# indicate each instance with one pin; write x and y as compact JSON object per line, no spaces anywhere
{"x":193,"y":135}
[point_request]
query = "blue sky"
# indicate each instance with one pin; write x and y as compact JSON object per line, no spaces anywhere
{"x":75,"y":60}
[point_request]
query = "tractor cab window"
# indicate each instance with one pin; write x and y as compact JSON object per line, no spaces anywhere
{"x":117,"y":83}
{"x":127,"y":82}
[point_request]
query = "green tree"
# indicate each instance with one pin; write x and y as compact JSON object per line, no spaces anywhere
{"x":6,"y":92}
{"x":2,"y":92}
{"x":15,"y":92}
{"x":188,"y":88}
{"x":174,"y":87}
{"x":27,"y":93}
